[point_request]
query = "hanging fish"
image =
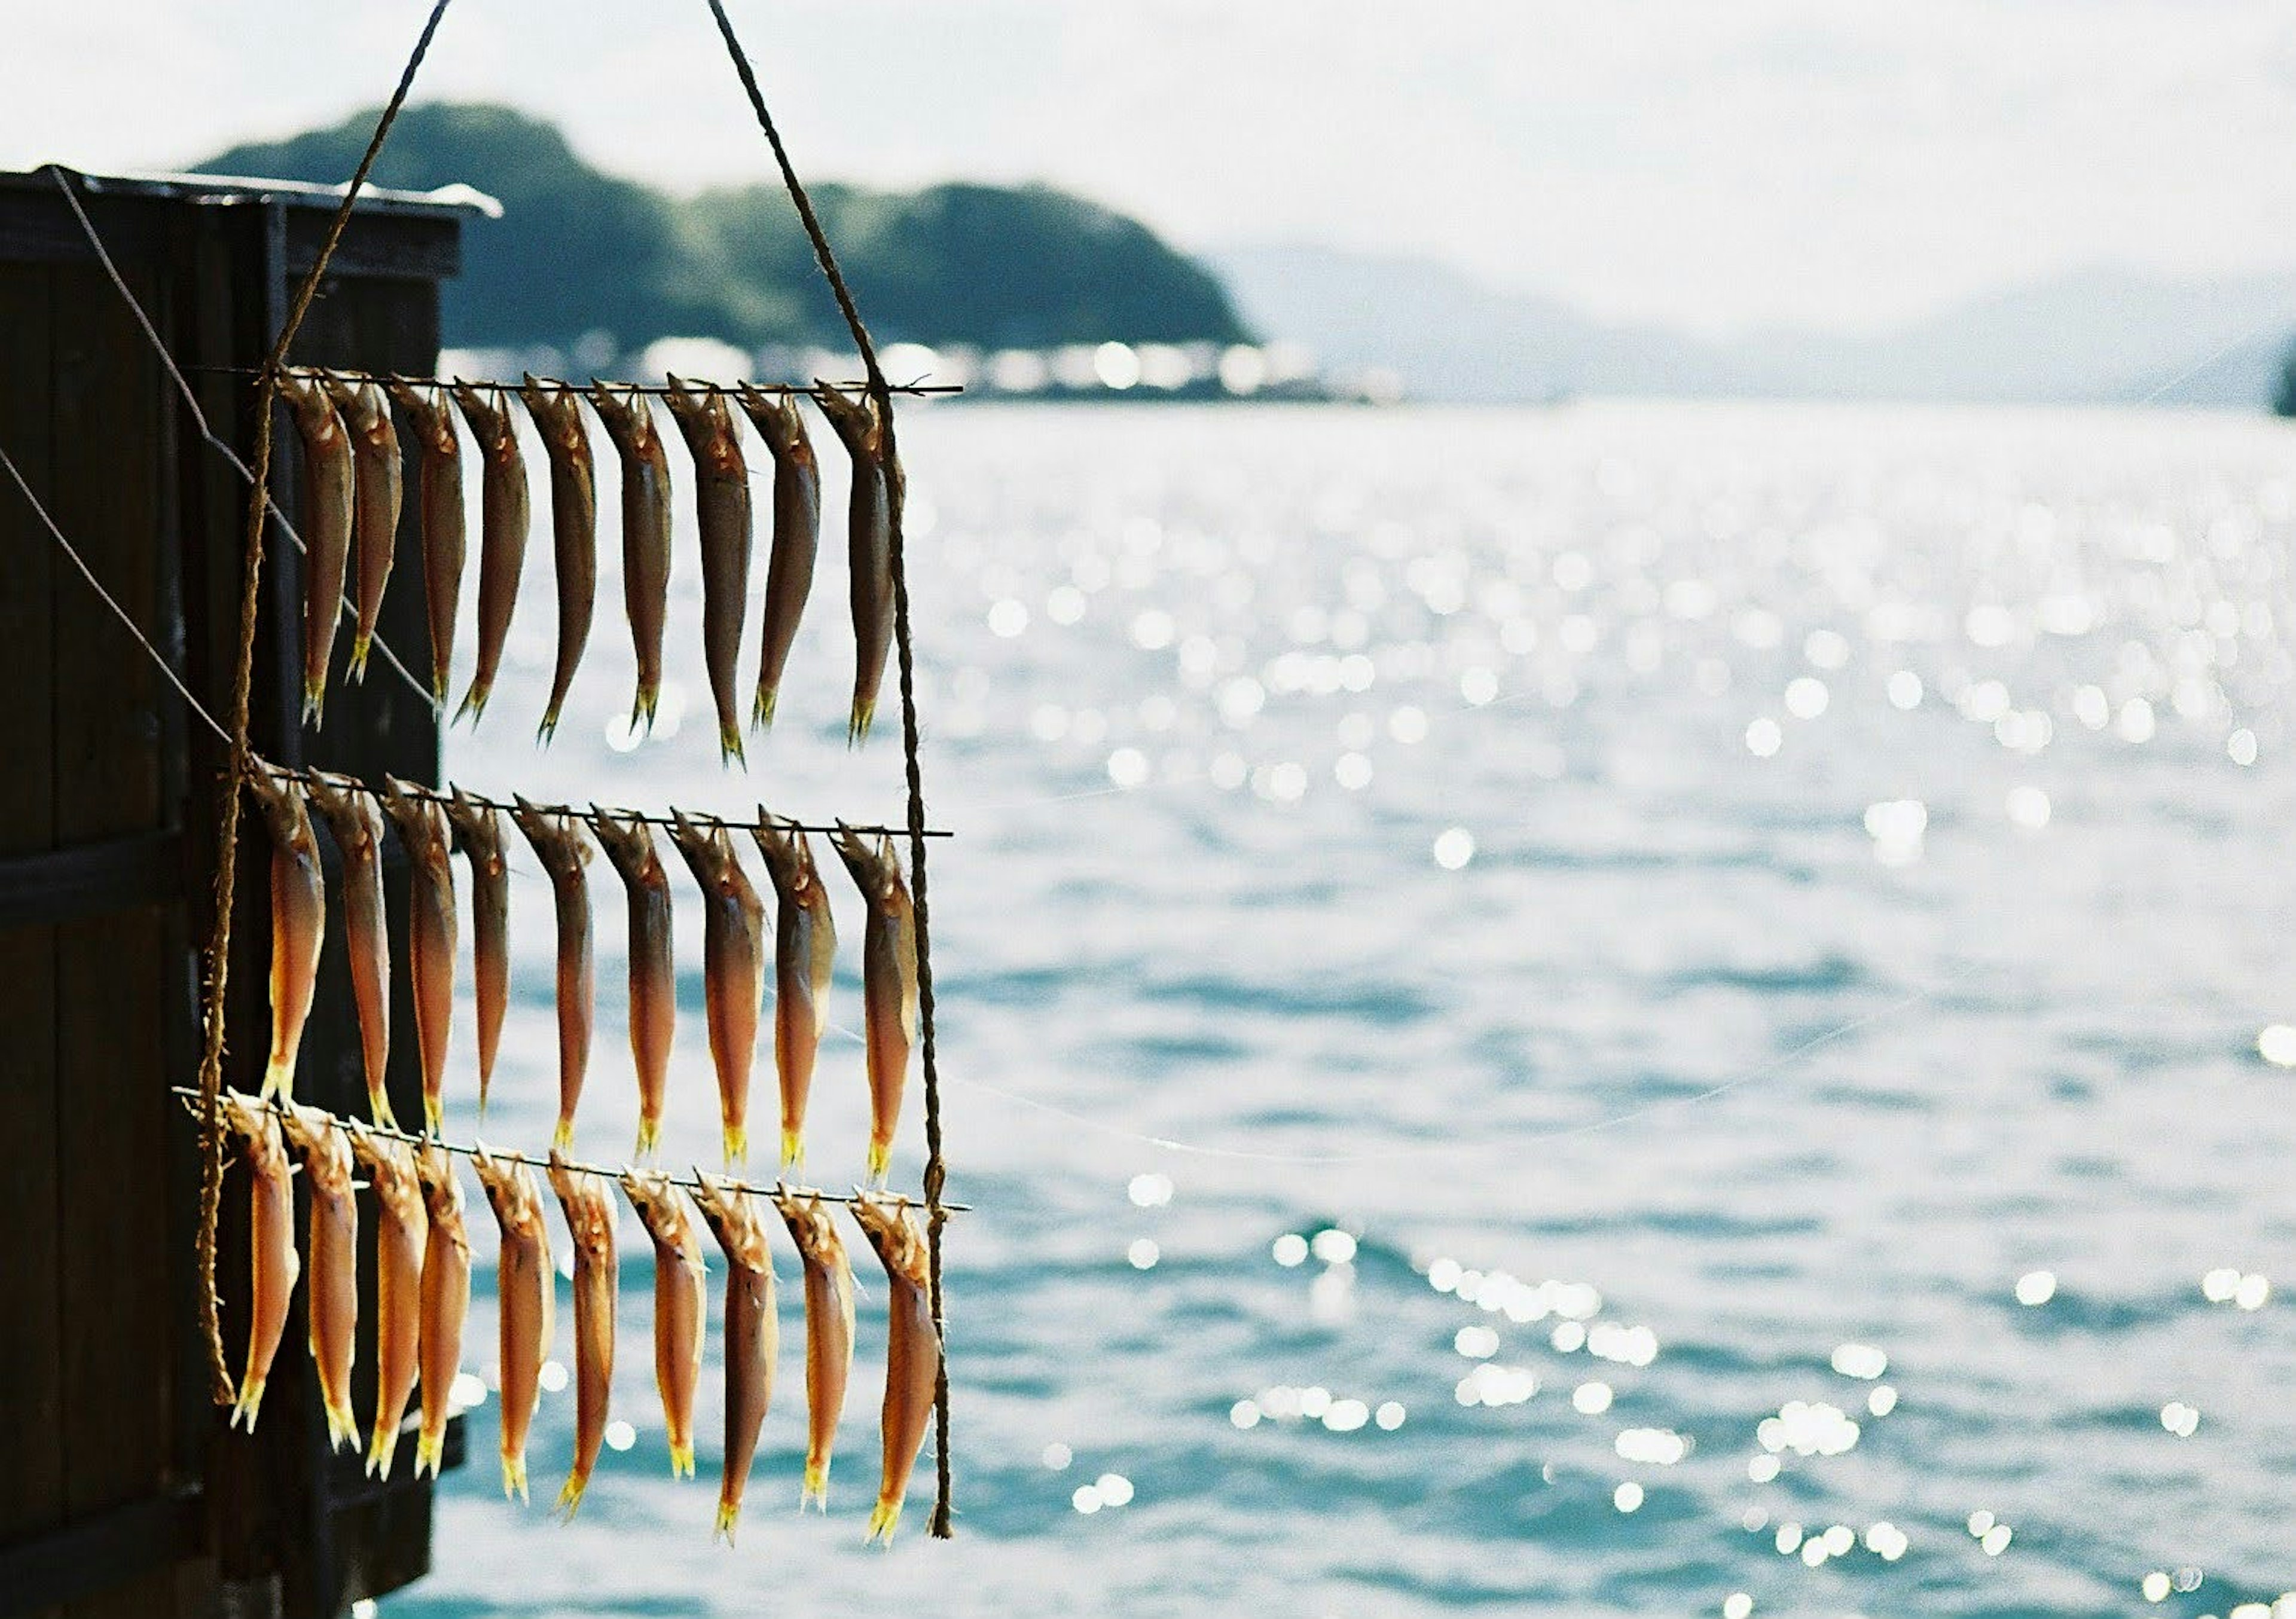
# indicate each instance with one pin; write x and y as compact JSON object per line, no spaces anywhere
{"x":913,"y":1353}
{"x":402,"y":1232}
{"x":645,"y":531}
{"x":425,"y":834}
{"x":557,"y":412}
{"x":479,"y":827}
{"x":677,"y":1307}
{"x":653,"y":974}
{"x":502,"y":533}
{"x":272,"y":1264}
{"x":375,"y":480}
{"x":721,"y":495}
{"x":298,"y":920}
{"x":828,"y":1331}
{"x":805,"y":949}
{"x":732,"y":967}
{"x":356,"y":823}
{"x":869,"y":541}
{"x":327,"y":506}
{"x":752,"y":1333}
{"x":589,"y":1210}
{"x":438,"y":502}
{"x":564,"y":852}
{"x":889,"y":983}
{"x":333,"y":1246}
{"x":797,"y":536}
{"x":446,"y":1301}
{"x":525,"y":1287}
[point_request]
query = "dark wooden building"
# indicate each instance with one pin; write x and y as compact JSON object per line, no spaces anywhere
{"x":120,"y":1491}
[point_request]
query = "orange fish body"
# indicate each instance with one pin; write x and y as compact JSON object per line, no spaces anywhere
{"x":329,"y":501}
{"x":333,"y":1247}
{"x":298,"y":921}
{"x":503,"y":525}
{"x":424,"y":833}
{"x":752,"y":1334}
{"x":446,"y":1301}
{"x":912,"y":1353}
{"x":273,"y":1262}
{"x":677,"y":1307}
{"x":589,"y":1209}
{"x":889,"y":985}
{"x":646,"y":533}
{"x":733,"y":969}
{"x":356,"y":823}
{"x":805,"y":951}
{"x":439,"y":504}
{"x":479,"y":826}
{"x":797,"y":537}
{"x":629,"y":844}
{"x":721,"y":499}
{"x":526,"y":1287}
{"x":564,"y":852}
{"x":402,"y":1234}
{"x":828,"y":1332}
{"x":377,"y":491}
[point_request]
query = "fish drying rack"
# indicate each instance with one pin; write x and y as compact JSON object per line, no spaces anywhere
{"x":205,"y":1098}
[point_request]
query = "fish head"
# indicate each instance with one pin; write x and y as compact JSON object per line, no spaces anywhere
{"x":875,"y":869}
{"x":316,"y":415}
{"x":557,"y":411}
{"x":628,"y":844}
{"x":488,"y":411}
{"x":279,"y":798}
{"x":731,"y":1216}
{"x":480,"y":825}
{"x":853,"y":419}
{"x":893,"y":1233}
{"x":442,"y":1191}
{"x":810,"y":1228}
{"x":701,"y":848}
{"x":782,"y":847}
{"x":325,"y":1149}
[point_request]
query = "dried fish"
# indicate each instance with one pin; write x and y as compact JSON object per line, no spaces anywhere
{"x":439,"y":502}
{"x":889,"y":983}
{"x":356,"y":823}
{"x":653,"y":974}
{"x":797,"y":536}
{"x":446,"y":1301}
{"x":424,"y":833}
{"x":645,"y":531}
{"x":589,"y":1210}
{"x":732,"y":967}
{"x":402,"y":1232}
{"x":828,"y":1331}
{"x":502,"y":533}
{"x":721,"y":493}
{"x":327,"y":506}
{"x":805,"y":950}
{"x":869,"y":541}
{"x":525,"y":1287}
{"x":557,"y":412}
{"x":479,"y":827}
{"x":752,"y":1333}
{"x":375,"y":476}
{"x":912,"y":1354}
{"x":677,"y":1305}
{"x":564,"y":852}
{"x":333,"y":1247}
{"x":272,"y":1264}
{"x":298,"y":921}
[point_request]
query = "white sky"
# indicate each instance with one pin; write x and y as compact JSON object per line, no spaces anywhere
{"x":1709,"y":163}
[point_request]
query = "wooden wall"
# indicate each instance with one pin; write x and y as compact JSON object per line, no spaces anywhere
{"x":121,"y":1492}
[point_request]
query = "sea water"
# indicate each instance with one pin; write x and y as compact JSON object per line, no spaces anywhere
{"x":1621,"y":1009}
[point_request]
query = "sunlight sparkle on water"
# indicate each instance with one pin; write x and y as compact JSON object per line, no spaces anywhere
{"x":1150,"y":1190}
{"x":2037,"y":1288}
{"x":1763,"y":737}
{"x":1291,"y":1249}
{"x":2276,"y":1044}
{"x":1454,"y":848}
{"x":1143,"y":1254}
{"x":621,"y":1436}
{"x":1628,"y":1497}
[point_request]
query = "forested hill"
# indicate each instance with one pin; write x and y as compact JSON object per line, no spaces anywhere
{"x":578,"y":250}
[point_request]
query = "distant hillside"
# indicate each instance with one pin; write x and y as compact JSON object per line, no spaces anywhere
{"x":578,"y":251}
{"x":2101,"y":337}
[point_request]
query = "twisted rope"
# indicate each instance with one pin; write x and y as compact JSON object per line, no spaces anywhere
{"x":218,"y":963}
{"x":936,"y":1169}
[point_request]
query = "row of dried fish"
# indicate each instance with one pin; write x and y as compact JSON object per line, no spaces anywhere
{"x":422,"y":1292}
{"x":352,"y":485}
{"x":734,"y":947}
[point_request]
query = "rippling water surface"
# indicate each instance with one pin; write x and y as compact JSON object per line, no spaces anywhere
{"x":1622,"y":1010}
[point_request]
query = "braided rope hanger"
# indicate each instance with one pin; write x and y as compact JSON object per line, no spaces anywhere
{"x":218,"y":964}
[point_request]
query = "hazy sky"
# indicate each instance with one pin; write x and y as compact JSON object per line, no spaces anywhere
{"x":1710,"y":163}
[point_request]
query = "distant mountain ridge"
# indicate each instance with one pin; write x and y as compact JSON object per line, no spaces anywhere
{"x":580,"y":251}
{"x":2096,"y":336}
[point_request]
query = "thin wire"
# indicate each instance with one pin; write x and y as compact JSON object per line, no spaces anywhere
{"x":553,"y":385}
{"x":590,"y":815}
{"x":258,"y":502}
{"x":603,"y":1171}
{"x":936,"y":1167}
{"x":109,"y":601}
{"x":222,"y":446}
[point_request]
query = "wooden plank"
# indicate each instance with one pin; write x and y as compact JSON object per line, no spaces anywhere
{"x":31,"y":1369}
{"x":96,"y":1550}
{"x":90,"y":880}
{"x":112,"y":1117}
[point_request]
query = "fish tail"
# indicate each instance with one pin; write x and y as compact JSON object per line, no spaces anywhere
{"x":561,"y":1140}
{"x":884,"y":1519}
{"x":382,"y":1448}
{"x":434,"y":1116}
{"x":570,"y":1496}
{"x":378,"y":1107}
{"x":856,"y":728}
{"x":643,"y":707}
{"x":438,"y":687}
{"x":681,"y":1459}
{"x":514,"y":1477}
{"x":792,"y":1149}
{"x":248,"y":1403}
{"x":315,"y":702}
{"x":816,"y":1486}
{"x":729,"y":1513}
{"x":880,"y":1160}
{"x":485,"y":1079}
{"x":279,"y":1080}
{"x":429,"y":1451}
{"x":474,"y":703}
{"x":548,"y":728}
{"x":649,"y":1136}
{"x":761,"y":714}
{"x":342,"y":1426}
{"x":729,"y":743}
{"x":360,"y":642}
{"x":737,"y":1143}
